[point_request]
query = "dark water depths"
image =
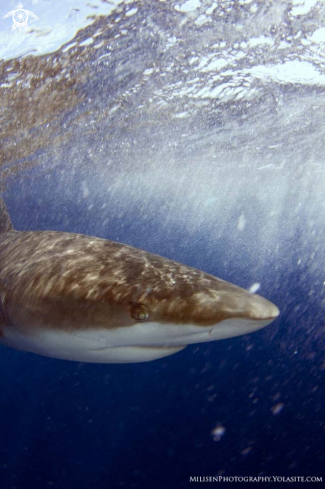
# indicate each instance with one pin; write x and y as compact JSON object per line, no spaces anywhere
{"x":198,"y":136}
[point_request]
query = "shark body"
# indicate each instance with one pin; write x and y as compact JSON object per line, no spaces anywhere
{"x":83,"y":298}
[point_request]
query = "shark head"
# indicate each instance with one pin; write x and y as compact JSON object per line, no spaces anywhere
{"x":173,"y":305}
{"x":200,"y":307}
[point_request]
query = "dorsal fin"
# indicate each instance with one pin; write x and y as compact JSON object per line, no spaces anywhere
{"x":5,"y":221}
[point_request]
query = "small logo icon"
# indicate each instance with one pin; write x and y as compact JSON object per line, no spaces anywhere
{"x":20,"y":17}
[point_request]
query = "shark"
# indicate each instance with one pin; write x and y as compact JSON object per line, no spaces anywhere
{"x":82,"y":298}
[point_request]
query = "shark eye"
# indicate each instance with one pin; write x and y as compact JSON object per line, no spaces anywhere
{"x":140,"y":312}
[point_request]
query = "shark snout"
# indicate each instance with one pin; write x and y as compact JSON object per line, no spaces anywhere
{"x":242,"y":314}
{"x":261,"y":309}
{"x":213,"y":306}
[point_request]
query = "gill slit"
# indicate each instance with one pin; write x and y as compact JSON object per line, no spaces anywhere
{"x":3,"y":315}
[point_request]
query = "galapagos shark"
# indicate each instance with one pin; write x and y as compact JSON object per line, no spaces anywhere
{"x":82,"y":298}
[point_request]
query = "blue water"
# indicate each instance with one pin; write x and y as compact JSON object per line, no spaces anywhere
{"x":72,"y":425}
{"x":200,"y":139}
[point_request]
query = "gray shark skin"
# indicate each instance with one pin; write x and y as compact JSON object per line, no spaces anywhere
{"x":82,"y":298}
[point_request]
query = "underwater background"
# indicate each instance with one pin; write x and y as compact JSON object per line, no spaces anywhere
{"x":195,"y":130}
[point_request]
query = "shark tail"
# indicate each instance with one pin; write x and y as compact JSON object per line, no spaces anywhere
{"x":5,"y":221}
